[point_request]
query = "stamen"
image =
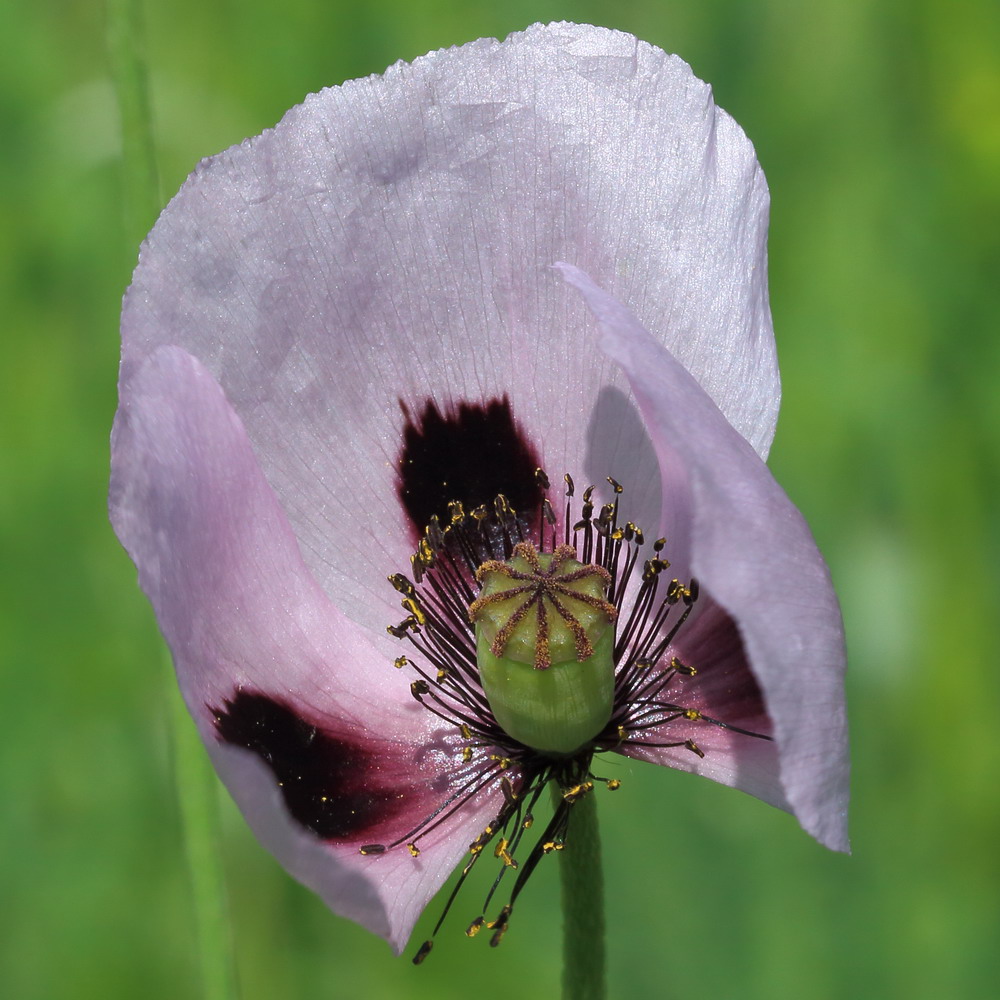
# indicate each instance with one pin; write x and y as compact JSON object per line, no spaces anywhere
{"x":547,"y":578}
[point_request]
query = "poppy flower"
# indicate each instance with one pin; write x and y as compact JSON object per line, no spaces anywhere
{"x":487,"y":336}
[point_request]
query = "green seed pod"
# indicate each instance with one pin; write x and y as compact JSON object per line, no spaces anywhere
{"x":545,"y":647}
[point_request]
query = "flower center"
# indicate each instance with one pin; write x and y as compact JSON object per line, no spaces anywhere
{"x":545,"y":646}
{"x":534,"y":658}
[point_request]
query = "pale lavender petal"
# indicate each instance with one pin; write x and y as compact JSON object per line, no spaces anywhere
{"x":753,"y":552}
{"x":251,"y":633}
{"x":723,"y":690}
{"x":390,"y":241}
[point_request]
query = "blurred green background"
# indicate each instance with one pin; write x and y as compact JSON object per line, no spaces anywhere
{"x":878,"y":124}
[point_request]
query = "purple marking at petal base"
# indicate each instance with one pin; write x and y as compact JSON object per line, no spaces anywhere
{"x":329,"y":783}
{"x":470,"y":453}
{"x":724,"y":687}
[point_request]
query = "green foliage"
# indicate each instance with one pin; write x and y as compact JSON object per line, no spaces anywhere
{"x":875,"y":122}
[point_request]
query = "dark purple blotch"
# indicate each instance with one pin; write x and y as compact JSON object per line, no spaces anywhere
{"x":329,"y":783}
{"x":724,"y":686}
{"x":471,"y":453}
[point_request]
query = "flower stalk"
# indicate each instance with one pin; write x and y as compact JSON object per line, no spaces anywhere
{"x":582,"y":883}
{"x":196,"y":784}
{"x":198,"y":801}
{"x":140,"y":182}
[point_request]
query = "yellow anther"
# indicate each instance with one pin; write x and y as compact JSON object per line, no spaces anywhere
{"x":500,"y":851}
{"x":502,"y":919}
{"x":614,"y":784}
{"x":693,"y":714}
{"x":481,"y":841}
{"x":652,"y":569}
{"x":409,"y":604}
{"x":414,"y":850}
{"x":400,"y":662}
{"x":466,"y":754}
{"x":577,"y":791}
{"x":475,"y":927}
{"x":465,"y":731}
{"x":507,"y":787}
{"x":682,"y":668}
{"x":435,"y":534}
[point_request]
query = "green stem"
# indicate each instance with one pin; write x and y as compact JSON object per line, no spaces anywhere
{"x":196,"y":784}
{"x":197,"y":796}
{"x":126,"y":52}
{"x":583,"y":904}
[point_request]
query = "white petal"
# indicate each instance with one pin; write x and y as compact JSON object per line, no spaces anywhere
{"x":243,"y":616}
{"x":726,"y":691}
{"x":391,"y":239}
{"x":753,"y":552}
